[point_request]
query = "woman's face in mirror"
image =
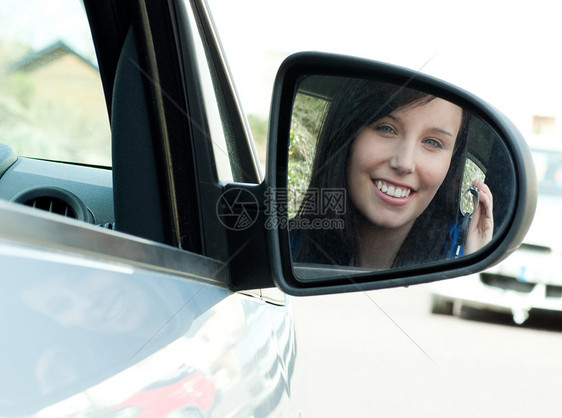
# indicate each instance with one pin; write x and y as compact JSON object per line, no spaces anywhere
{"x":404,"y":160}
{"x":398,"y":163}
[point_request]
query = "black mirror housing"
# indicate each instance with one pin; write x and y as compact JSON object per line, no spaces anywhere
{"x":298,"y":278}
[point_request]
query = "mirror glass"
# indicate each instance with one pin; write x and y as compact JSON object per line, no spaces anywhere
{"x":383,"y":176}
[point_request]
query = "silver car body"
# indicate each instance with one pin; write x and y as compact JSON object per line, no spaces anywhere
{"x":93,"y":334}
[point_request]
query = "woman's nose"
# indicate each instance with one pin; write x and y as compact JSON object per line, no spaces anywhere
{"x":403,"y":158}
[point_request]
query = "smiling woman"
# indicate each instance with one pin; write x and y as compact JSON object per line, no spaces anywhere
{"x":398,"y":156}
{"x":396,"y":166}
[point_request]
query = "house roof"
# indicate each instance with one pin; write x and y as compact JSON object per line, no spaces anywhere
{"x":46,"y":55}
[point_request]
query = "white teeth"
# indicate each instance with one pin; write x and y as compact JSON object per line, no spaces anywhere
{"x":391,"y":190}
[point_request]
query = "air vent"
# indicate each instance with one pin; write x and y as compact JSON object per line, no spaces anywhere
{"x":53,"y":205}
{"x":55,"y":200}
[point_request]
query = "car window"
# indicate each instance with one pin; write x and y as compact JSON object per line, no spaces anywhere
{"x":228,"y":134}
{"x":52,"y":104}
{"x":217,"y":129}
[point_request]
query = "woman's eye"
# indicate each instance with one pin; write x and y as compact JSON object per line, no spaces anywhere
{"x":433,"y":143}
{"x":385,"y":129}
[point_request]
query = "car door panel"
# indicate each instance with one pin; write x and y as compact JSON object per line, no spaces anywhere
{"x":101,"y":336}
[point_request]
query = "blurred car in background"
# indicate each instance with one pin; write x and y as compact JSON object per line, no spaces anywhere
{"x":530,"y":278}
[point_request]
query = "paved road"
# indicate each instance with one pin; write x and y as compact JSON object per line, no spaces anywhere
{"x":382,"y":354}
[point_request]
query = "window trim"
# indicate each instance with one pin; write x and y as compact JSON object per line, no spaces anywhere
{"x":54,"y":233}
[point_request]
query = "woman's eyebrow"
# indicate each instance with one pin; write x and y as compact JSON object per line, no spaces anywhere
{"x":442,"y":131}
{"x":434,"y":130}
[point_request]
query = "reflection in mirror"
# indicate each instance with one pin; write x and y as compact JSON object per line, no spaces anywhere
{"x":382,"y":176}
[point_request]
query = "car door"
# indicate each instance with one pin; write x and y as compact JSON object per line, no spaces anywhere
{"x":126,"y":310}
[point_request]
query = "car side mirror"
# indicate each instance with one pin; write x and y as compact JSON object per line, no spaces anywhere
{"x":379,"y":176}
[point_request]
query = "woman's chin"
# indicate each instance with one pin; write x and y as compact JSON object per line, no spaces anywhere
{"x":387,"y":223}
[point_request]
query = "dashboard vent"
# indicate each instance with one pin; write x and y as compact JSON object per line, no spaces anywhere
{"x":55,"y":200}
{"x":53,"y":205}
